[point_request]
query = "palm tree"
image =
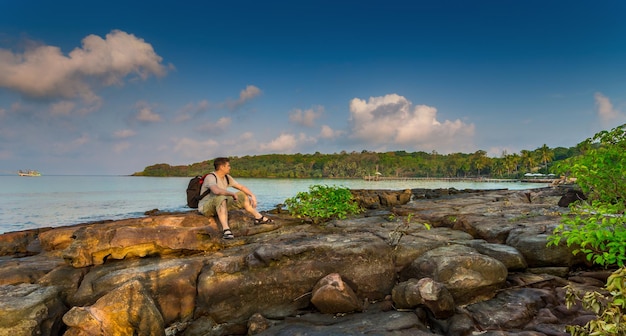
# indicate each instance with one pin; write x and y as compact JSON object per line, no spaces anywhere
{"x":480,"y":160}
{"x":510,"y":162}
{"x":497,"y":167}
{"x":528,"y":159}
{"x":546,"y":155}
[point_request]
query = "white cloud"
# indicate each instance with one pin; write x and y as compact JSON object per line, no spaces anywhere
{"x":217,"y":127}
{"x":123,"y":134}
{"x":286,"y":143}
{"x":307,"y":117}
{"x":328,"y":133}
{"x":43,"y":71}
{"x":248,"y":93}
{"x":245,"y":95}
{"x":145,"y":113}
{"x":606,"y":111}
{"x":392,"y":121}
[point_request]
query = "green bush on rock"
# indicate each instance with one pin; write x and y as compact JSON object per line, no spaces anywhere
{"x":611,"y":320}
{"x":323,"y":203}
{"x":597,"y":228}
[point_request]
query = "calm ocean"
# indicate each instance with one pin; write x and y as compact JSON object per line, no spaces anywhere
{"x":50,"y":201}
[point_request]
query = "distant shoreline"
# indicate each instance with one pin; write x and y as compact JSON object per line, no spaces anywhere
{"x":459,"y":179}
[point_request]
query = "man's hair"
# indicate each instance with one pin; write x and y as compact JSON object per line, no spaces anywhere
{"x":220,"y":161}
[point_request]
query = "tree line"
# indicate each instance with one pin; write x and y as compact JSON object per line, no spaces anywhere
{"x":390,"y":164}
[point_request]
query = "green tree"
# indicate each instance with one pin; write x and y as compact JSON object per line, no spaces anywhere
{"x":497,"y":167}
{"x":528,"y":160}
{"x":511,"y":162}
{"x":597,"y":227}
{"x":546,"y":155}
{"x":480,"y":161}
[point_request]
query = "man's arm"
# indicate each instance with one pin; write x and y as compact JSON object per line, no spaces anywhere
{"x":216,"y":190}
{"x":247,"y":192}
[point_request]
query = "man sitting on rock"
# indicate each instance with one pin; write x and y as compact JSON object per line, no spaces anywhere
{"x":220,"y":199}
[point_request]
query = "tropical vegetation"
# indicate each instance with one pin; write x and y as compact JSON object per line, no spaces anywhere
{"x":323,"y":203}
{"x":390,"y":164}
{"x":596,"y":227}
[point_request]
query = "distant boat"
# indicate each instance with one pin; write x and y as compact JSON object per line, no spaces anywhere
{"x":28,"y":173}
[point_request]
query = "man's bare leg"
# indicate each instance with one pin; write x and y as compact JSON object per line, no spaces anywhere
{"x":248,"y":207}
{"x":258,"y":217}
{"x":222,"y":215}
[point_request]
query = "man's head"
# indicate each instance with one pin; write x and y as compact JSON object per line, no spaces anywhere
{"x":220,"y":161}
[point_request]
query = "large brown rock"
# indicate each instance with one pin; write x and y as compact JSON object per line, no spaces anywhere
{"x":508,"y":255}
{"x":534,"y":247}
{"x":331,"y":296}
{"x":276,"y":280}
{"x":160,"y":235}
{"x":66,"y":278}
{"x":29,"y":309}
{"x":28,"y":269}
{"x":427,"y":292}
{"x":126,"y":310}
{"x":497,"y":313}
{"x":19,"y":242}
{"x":372,"y":322}
{"x":469,"y":276}
{"x":170,"y":281}
{"x":374,"y":199}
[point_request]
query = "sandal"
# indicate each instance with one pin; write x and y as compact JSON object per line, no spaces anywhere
{"x":228,"y":234}
{"x":262,"y":220}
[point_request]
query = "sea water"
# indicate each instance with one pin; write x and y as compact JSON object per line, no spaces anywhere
{"x":52,"y":201}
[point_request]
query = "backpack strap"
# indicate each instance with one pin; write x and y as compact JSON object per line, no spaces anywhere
{"x":208,"y":191}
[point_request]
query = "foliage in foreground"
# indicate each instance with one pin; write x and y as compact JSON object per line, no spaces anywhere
{"x":323,"y":203}
{"x":611,"y":320}
{"x":598,"y":228}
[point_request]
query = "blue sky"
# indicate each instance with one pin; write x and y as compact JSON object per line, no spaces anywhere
{"x":112,"y":87}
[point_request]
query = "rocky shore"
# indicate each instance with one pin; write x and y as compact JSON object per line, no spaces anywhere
{"x":417,"y":262}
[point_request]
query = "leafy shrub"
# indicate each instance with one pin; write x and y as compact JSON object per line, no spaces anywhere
{"x":598,"y":228}
{"x":600,"y":168}
{"x":323,"y":203}
{"x":611,"y":320}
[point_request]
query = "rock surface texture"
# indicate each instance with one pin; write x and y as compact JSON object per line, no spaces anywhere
{"x":417,"y":262}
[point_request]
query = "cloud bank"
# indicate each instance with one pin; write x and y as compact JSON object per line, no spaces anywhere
{"x":44,"y":72}
{"x":393,"y":121}
{"x":307,"y":117}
